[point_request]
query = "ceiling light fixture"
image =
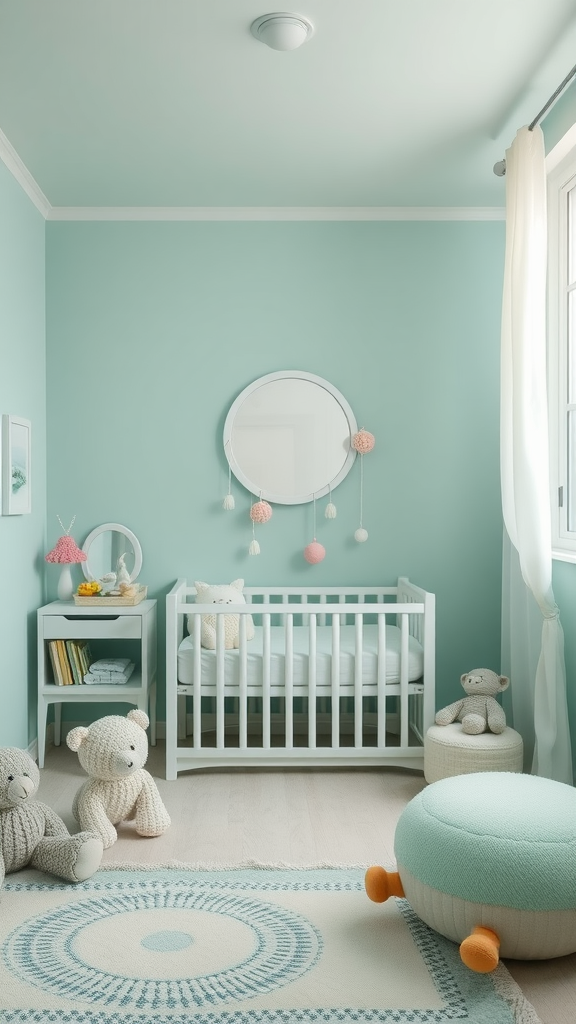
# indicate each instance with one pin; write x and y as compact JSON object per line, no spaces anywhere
{"x":282,"y":31}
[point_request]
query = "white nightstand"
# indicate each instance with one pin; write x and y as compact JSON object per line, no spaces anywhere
{"x":63,"y":620}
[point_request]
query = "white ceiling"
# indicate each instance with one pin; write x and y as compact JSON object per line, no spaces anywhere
{"x":173,"y":103}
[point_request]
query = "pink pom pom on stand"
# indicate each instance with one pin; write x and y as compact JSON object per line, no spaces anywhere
{"x":260,"y":512}
{"x":314,"y":552}
{"x":66,"y":550}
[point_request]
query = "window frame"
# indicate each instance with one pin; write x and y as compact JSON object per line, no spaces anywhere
{"x":561,"y":180}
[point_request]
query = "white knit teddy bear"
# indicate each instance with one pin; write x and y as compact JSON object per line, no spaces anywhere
{"x":31,"y":833}
{"x":230,"y":593}
{"x":479,"y":711}
{"x":113,"y":751}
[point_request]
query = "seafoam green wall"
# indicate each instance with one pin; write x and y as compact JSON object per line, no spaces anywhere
{"x":154,"y":328}
{"x":22,"y":393}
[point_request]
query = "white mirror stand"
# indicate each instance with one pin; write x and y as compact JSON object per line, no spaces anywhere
{"x":104,"y":545}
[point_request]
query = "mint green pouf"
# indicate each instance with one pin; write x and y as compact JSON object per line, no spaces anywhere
{"x":495,"y":849}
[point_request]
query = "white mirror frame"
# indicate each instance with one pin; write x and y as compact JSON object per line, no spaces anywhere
{"x":250,"y":485}
{"x":119,"y":529}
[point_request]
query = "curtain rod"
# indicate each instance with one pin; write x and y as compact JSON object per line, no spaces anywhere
{"x":500,"y":167}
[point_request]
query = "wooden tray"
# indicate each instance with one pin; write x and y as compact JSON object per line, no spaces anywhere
{"x":112,"y":600}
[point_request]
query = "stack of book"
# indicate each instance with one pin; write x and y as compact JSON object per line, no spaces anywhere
{"x":71,"y":660}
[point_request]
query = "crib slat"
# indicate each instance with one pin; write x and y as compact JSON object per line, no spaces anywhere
{"x":289,"y":680}
{"x":358,"y":669}
{"x":404,"y":623}
{"x":335,"y":681}
{"x":312,"y":681}
{"x":220,"y":679}
{"x":197,"y":727}
{"x":381,"y":711}
{"x":266,"y":680}
{"x":243,"y":684}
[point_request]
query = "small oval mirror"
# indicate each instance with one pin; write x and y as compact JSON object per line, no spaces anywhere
{"x":105,"y":546}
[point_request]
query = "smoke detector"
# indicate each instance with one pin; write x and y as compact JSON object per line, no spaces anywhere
{"x":282,"y":31}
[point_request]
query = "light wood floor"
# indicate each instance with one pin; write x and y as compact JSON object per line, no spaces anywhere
{"x":222,"y":818}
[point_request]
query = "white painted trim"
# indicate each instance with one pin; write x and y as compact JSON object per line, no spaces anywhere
{"x":275,"y":213}
{"x":562,"y":148}
{"x":10,"y":157}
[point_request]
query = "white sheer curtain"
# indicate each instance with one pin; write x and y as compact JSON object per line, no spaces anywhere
{"x":537,"y":683}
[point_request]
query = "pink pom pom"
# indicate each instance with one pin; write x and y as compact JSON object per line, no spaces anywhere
{"x":363,"y":441}
{"x":260,"y":512}
{"x":314,"y":552}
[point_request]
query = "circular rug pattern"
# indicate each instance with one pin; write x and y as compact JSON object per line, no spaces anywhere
{"x":159,"y":947}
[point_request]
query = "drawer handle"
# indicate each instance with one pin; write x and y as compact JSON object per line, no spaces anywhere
{"x":92,"y":618}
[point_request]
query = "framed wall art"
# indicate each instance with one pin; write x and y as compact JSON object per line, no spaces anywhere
{"x":16,"y":452}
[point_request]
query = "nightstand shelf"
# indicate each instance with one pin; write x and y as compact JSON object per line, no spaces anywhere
{"x":63,"y":620}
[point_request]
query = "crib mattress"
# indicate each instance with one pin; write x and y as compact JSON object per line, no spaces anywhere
{"x":301,"y":658}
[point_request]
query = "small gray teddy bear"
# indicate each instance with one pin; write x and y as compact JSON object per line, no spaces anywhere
{"x":479,"y":711}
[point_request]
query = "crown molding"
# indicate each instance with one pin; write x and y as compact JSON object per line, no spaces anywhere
{"x":274,"y":213}
{"x":10,"y":157}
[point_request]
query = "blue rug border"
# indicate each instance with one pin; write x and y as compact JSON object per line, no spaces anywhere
{"x":468,"y":996}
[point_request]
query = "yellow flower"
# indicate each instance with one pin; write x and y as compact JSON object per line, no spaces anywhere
{"x":89,"y":589}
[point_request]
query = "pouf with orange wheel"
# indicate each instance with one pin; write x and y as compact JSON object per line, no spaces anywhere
{"x":489,"y":861}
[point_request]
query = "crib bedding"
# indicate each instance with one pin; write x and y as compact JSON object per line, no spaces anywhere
{"x":301,"y":658}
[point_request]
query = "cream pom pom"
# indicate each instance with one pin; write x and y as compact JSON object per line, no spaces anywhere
{"x":361,"y":535}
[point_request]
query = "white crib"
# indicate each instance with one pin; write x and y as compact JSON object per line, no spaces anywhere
{"x":334,"y":676}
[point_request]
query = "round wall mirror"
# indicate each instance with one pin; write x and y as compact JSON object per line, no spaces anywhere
{"x":287,"y":437}
{"x":105,"y":545}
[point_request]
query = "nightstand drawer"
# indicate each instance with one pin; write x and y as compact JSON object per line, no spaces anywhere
{"x":82,"y":627}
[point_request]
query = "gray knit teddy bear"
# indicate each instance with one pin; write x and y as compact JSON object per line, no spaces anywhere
{"x":31,"y":833}
{"x":113,"y":751}
{"x":479,"y":711}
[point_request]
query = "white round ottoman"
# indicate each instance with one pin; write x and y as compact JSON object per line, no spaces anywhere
{"x":450,"y":751}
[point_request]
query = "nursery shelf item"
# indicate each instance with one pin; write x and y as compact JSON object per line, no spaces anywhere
{"x":111,"y":599}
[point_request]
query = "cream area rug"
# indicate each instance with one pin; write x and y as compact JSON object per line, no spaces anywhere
{"x":180,"y":945}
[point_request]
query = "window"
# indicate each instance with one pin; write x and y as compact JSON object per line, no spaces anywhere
{"x":562,"y":353}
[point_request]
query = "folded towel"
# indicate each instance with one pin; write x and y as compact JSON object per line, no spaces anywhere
{"x":110,"y":665}
{"x":109,"y":678}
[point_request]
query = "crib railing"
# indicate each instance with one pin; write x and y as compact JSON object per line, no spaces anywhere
{"x":409,"y":607}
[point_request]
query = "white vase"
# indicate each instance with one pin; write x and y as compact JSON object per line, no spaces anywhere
{"x":65,"y":585}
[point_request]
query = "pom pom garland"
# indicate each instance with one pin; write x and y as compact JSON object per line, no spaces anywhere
{"x":229,"y":502}
{"x":330,"y":510}
{"x":260,"y":512}
{"x":363,"y":441}
{"x":314,"y":552}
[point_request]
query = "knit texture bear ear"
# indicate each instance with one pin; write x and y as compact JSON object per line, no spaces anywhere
{"x":76,"y":737}
{"x":139,"y":718}
{"x":238,"y":585}
{"x":504,"y":682}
